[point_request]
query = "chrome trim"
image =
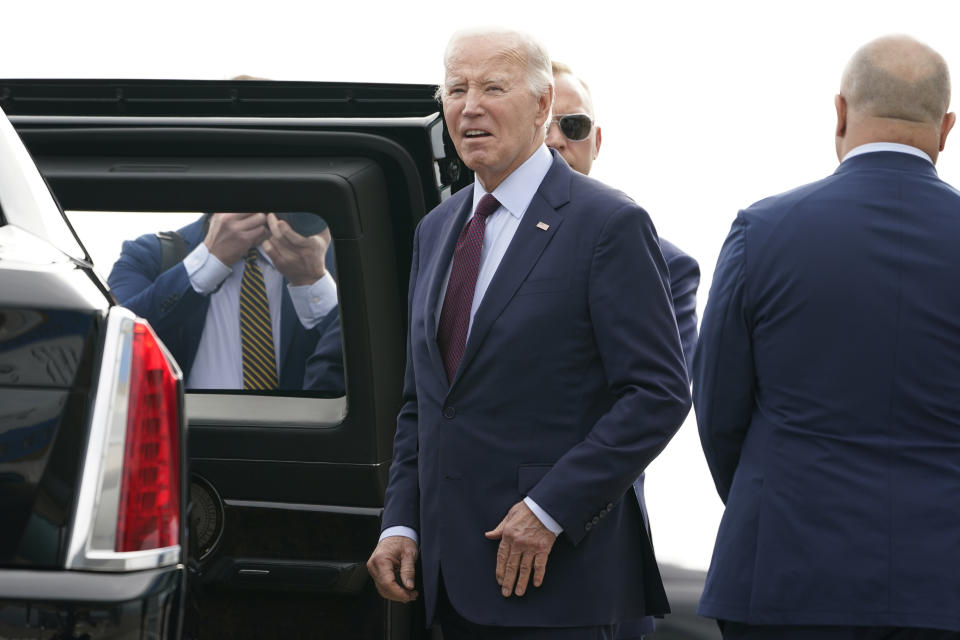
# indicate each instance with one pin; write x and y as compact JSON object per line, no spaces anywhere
{"x":239,"y":410}
{"x":373,"y":512}
{"x":93,"y":534}
{"x":131,"y":560}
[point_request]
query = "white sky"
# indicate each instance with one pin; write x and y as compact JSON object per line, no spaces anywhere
{"x":705,"y":107}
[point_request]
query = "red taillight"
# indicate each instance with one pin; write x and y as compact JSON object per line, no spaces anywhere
{"x":149,"y":514}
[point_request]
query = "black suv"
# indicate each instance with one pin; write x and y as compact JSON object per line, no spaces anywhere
{"x":286,"y":486}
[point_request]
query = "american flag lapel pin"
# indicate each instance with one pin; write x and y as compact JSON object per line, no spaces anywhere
{"x":543,"y":226}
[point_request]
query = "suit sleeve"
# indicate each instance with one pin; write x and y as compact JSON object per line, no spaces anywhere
{"x":724,"y":390}
{"x":165,"y":299}
{"x":323,"y":372}
{"x":684,"y":280}
{"x":639,"y":348}
{"x":402,"y":499}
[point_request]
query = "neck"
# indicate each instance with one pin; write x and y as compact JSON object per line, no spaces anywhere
{"x":923,"y":136}
{"x":490,"y":180}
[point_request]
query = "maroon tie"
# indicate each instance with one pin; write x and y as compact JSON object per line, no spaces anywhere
{"x":455,"y":314}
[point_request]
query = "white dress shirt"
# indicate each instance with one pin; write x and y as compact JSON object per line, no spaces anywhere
{"x":514,"y":195}
{"x":218,"y":363}
{"x":873,"y":147}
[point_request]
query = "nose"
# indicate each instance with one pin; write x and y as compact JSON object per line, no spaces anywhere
{"x":555,"y":139}
{"x":472,"y":104}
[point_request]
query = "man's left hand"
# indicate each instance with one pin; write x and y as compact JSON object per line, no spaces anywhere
{"x":300,"y":259}
{"x":524,"y":546}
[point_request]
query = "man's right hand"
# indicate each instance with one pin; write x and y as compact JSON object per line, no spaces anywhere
{"x":231,"y":235}
{"x":394,"y":555}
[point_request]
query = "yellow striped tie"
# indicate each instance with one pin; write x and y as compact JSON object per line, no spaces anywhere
{"x":256,"y":333}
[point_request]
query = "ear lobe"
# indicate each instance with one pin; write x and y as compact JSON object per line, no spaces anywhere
{"x":841,"y":104}
{"x":948,"y":121}
{"x":596,"y":147}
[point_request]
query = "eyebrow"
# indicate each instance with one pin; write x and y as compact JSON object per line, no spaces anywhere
{"x":452,"y":82}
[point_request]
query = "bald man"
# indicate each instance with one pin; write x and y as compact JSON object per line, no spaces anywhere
{"x":827,"y":379}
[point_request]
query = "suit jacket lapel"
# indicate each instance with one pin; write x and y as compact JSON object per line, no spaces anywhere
{"x":525,"y":249}
{"x":440,"y":264}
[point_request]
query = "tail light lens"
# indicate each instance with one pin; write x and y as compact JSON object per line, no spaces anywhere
{"x":128,"y":515}
{"x":149,"y":508}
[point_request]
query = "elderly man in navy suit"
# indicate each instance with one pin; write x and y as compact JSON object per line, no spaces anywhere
{"x":544,"y":373}
{"x":827,"y":377}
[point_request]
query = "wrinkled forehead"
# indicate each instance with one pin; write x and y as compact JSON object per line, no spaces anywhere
{"x":483,"y":57}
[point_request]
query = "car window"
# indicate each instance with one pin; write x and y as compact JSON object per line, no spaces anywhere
{"x":269,"y":329}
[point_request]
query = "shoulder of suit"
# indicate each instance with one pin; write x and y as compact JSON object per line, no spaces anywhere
{"x":600,"y":198}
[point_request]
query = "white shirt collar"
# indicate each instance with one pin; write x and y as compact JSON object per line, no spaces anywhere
{"x":517,"y":189}
{"x":873,"y":147}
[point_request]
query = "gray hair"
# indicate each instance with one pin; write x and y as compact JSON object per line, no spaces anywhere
{"x":531,"y":53}
{"x":900,"y":78}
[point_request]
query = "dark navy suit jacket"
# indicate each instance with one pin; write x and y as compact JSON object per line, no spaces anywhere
{"x":827,"y":389}
{"x":572,"y":381}
{"x":684,"y":280}
{"x":310,"y":359}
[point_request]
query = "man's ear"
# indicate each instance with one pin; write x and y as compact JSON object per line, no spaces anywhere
{"x":544,"y":104}
{"x":596,"y":147}
{"x":948,"y":121}
{"x":841,"y":104}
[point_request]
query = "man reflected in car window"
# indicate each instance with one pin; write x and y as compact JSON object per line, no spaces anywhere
{"x":242,"y":300}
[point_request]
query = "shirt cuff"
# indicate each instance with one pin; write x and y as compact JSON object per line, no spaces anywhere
{"x":314,"y":301}
{"x":406,"y":532}
{"x":543,"y":516}
{"x":205,"y":270}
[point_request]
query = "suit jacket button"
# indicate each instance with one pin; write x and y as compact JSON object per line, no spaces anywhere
{"x":595,"y":520}
{"x":588,"y":526}
{"x":609,"y":506}
{"x":449,"y":413}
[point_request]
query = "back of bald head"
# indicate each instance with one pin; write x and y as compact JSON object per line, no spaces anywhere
{"x":899,"y":78}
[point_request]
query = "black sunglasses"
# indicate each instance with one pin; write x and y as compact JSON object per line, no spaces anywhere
{"x":574,"y":126}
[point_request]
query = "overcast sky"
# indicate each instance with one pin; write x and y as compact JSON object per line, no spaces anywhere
{"x":705,"y":107}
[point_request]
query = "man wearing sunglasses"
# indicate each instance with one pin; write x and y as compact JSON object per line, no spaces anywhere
{"x":575,"y":135}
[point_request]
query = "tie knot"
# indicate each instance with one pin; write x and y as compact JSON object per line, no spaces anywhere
{"x":487,"y":205}
{"x":251,"y":256}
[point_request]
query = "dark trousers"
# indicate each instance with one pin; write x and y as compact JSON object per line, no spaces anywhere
{"x":739,"y":631}
{"x":456,"y":627}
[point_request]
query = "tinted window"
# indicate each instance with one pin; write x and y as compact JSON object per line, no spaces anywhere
{"x":215,"y":316}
